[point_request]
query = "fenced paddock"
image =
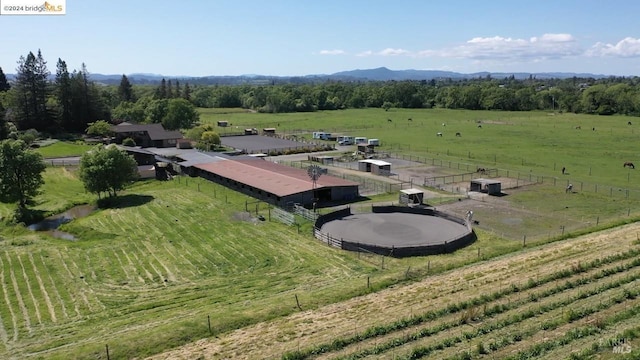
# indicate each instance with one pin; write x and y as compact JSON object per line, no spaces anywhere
{"x":394,"y":231}
{"x":252,"y":144}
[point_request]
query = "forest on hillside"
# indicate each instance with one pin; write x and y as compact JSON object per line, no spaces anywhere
{"x":72,"y":100}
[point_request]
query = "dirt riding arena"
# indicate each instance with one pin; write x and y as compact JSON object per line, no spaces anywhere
{"x":395,"y":231}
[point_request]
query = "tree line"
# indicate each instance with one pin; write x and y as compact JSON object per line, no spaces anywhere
{"x":69,"y":101}
{"x":579,"y":95}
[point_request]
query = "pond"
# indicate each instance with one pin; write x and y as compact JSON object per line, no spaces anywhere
{"x":50,"y":224}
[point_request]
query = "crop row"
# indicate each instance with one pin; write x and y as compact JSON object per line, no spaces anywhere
{"x":482,"y":300}
{"x":517,"y":317}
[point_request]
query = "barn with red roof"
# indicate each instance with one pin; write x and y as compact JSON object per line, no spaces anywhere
{"x":274,"y":183}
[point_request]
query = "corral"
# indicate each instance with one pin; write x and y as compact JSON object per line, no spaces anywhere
{"x":267,"y":144}
{"x":395,"y":231}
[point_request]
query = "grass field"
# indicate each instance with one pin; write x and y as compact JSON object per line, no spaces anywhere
{"x":63,"y":149}
{"x":537,"y":142}
{"x":572,"y":297}
{"x":150,"y":273}
{"x":176,"y":262}
{"x":526,"y":145}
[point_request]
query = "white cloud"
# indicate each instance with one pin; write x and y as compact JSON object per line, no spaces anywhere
{"x":507,"y":50}
{"x":332,"y":52}
{"x":393,"y":52}
{"x":547,"y":46}
{"x":554,"y":38}
{"x":385,"y":52}
{"x":534,"y":49}
{"x":627,"y":47}
{"x":365,"y":53}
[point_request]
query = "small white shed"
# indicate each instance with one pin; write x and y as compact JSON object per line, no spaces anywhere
{"x":411,"y":196}
{"x":373,"y":166}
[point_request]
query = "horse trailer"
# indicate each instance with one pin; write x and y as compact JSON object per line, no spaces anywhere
{"x":346,"y":140}
{"x":321,"y":135}
{"x":361,"y":140}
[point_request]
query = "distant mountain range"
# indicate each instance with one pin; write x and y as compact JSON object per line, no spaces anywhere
{"x":384,"y":74}
{"x":378,"y":74}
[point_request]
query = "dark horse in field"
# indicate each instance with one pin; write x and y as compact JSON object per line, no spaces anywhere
{"x":629,"y":164}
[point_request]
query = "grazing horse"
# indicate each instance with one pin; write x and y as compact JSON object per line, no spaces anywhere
{"x":629,"y":123}
{"x":458,"y":134}
{"x":479,"y":125}
{"x":629,"y":164}
{"x":578,"y":127}
{"x":439,"y":134}
{"x":569,"y":188}
{"x":410,"y":119}
{"x":389,"y":120}
{"x":481,"y":170}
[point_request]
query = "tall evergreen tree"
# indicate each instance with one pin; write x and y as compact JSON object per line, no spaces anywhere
{"x":186,"y":94}
{"x":169,"y":90}
{"x":4,"y":84}
{"x":4,"y":130}
{"x":87,"y":104}
{"x":125,"y":90}
{"x":161,"y":91}
{"x":30,"y":102}
{"x":64,"y":95}
{"x":177,"y":92}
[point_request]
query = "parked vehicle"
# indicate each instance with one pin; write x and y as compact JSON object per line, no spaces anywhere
{"x":346,"y":140}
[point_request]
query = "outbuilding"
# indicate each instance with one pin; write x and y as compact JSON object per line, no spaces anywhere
{"x":489,"y":186}
{"x":146,"y":135}
{"x":373,"y":166}
{"x":276,"y":184}
{"x":411,"y":196}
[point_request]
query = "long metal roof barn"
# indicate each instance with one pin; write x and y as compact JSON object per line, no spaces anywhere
{"x":274,"y":178}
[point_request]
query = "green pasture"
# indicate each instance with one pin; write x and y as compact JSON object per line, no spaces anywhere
{"x":169,"y":258}
{"x":63,"y":149}
{"x":166,"y":259}
{"x":537,"y":142}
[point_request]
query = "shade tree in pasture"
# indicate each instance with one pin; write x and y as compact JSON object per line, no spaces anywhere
{"x":107,"y":169}
{"x":20,"y":175}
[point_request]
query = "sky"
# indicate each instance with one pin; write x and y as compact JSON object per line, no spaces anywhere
{"x":303,"y":37}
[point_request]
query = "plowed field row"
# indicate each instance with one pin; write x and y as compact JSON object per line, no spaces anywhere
{"x":125,"y":279}
{"x":307,"y":330}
